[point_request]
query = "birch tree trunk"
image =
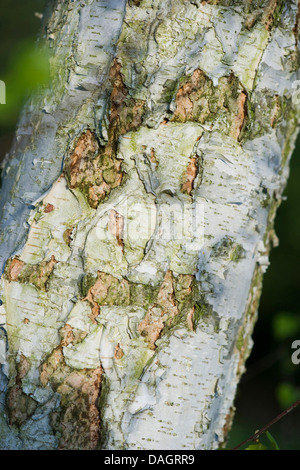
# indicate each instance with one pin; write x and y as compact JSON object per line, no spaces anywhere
{"x":137,"y":216}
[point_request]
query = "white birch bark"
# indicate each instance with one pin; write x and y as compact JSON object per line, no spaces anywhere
{"x":137,"y":216}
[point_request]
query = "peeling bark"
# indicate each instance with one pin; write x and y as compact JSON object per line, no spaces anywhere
{"x":138,"y":205}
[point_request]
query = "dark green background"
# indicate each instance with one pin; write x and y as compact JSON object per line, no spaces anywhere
{"x":271,"y":382}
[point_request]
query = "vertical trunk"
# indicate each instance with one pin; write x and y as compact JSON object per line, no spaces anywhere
{"x":137,"y":216}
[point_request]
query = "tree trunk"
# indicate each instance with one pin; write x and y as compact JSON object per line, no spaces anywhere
{"x":137,"y":216}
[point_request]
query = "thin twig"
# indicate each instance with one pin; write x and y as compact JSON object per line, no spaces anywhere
{"x":267,"y":426}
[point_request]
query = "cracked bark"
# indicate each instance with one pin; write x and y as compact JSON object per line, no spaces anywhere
{"x":137,"y":208}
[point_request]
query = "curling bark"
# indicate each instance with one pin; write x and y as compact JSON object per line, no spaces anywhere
{"x":137,"y":208}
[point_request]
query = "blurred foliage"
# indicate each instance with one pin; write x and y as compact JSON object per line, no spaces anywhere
{"x":272,"y":381}
{"x":23,"y":67}
{"x":286,"y":325}
{"x":287,"y":394}
{"x":29,"y":69}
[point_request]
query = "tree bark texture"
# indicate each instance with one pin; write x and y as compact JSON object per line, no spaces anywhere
{"x":137,"y":210}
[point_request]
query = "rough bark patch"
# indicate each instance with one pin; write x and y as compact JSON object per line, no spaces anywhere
{"x":189,"y":176}
{"x":276,"y":111}
{"x":93,"y":168}
{"x":19,"y":405}
{"x":41,"y":273}
{"x":15,"y":269}
{"x":190,"y":319}
{"x":265,"y":14}
{"x":118,"y":352}
{"x":49,"y":208}
{"x":157,"y":315}
{"x":269,"y":13}
{"x":186,"y":94}
{"x":36,"y":274}
{"x":125,"y":112}
{"x":86,"y":147}
{"x":239,"y":119}
{"x":296,"y":26}
{"x":173,"y":306}
{"x":153,"y":158}
{"x":67,"y":236}
{"x":78,"y":418}
{"x":107,"y":290}
{"x":116,"y":226}
{"x":198,"y":100}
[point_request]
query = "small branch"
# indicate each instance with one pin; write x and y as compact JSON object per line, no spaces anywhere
{"x":267,"y":426}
